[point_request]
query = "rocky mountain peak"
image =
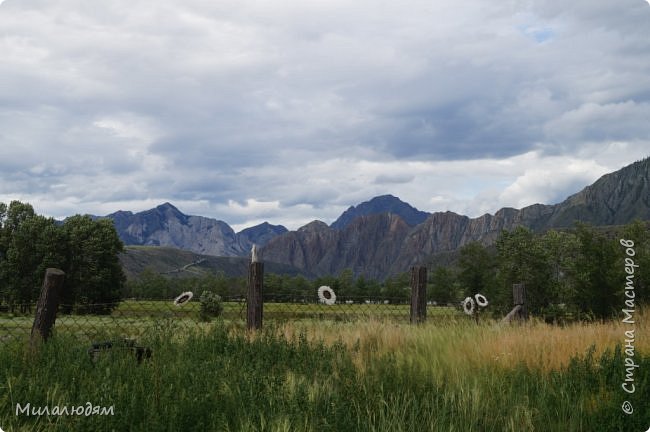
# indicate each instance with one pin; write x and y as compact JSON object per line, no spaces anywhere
{"x":378,"y":205}
{"x":314,"y":227}
{"x":168,"y":211}
{"x":166,"y":225}
{"x":259,"y":235}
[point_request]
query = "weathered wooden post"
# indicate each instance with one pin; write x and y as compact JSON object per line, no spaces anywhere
{"x":48,"y":305}
{"x":519,"y":299}
{"x":519,"y":311}
{"x":418,"y":294}
{"x":255,"y":285}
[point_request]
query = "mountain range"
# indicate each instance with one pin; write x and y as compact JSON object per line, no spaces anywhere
{"x":385,"y":235}
{"x":165,"y":225}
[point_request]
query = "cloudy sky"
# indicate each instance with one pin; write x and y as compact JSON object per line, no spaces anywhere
{"x":293,"y":110}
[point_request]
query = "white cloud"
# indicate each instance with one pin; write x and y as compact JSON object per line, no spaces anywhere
{"x":549,"y":181}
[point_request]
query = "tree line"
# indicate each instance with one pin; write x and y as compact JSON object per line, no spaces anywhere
{"x":86,"y":249}
{"x":577,"y":273}
{"x":150,"y":284}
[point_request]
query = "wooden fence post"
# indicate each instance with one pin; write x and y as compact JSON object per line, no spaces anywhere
{"x":418,"y":294}
{"x":255,"y":303}
{"x":519,"y":299}
{"x":48,"y":305}
{"x":519,"y":312}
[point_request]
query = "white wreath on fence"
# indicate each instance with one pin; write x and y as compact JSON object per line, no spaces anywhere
{"x":183,"y":298}
{"x":470,"y":304}
{"x":326,"y":295}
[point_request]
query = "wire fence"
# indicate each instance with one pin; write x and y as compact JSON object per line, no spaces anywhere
{"x":285,"y":308}
{"x":134,"y":318}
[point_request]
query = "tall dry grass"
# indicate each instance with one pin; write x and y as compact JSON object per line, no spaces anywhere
{"x":462,"y":344}
{"x":454,"y":377}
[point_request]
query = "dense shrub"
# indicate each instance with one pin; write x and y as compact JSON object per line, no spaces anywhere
{"x":211,"y":305}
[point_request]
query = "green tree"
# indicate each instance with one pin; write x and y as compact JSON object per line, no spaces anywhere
{"x":397,"y":288}
{"x":442,"y":287}
{"x":16,"y":214}
{"x":273,"y":285}
{"x":238,"y":286}
{"x":150,"y":284}
{"x":4,"y":288}
{"x":94,"y":277}
{"x":86,"y":250}
{"x":373,"y":288}
{"x":598,"y":277}
{"x":28,"y":245}
{"x":345,"y":285}
{"x":298,"y":287}
{"x":476,"y":270}
{"x":216,"y":283}
{"x":561,"y":251}
{"x":3,"y":236}
{"x":361,"y":288}
{"x":522,"y":258}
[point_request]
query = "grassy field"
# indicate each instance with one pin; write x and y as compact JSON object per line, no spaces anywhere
{"x":132,"y":318}
{"x":372,"y":375}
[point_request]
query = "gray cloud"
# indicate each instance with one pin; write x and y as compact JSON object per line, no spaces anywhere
{"x":402,"y":178}
{"x":313,"y":107}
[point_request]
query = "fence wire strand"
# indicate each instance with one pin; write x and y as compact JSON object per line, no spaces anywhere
{"x":134,"y":318}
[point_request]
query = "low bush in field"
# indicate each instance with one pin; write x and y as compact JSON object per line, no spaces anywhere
{"x":228,"y":380}
{"x":211,"y":305}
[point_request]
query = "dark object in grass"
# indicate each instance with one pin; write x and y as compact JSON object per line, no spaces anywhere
{"x":126,"y":344}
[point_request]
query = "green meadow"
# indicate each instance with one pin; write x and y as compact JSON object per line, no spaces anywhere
{"x":323,"y":375}
{"x":133,"y":317}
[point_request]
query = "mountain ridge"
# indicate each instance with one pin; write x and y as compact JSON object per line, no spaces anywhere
{"x":381,"y":204}
{"x":379,"y":237}
{"x":165,"y":225}
{"x":615,"y":198}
